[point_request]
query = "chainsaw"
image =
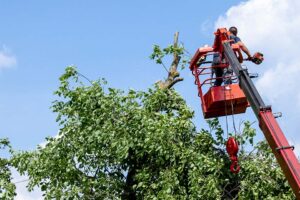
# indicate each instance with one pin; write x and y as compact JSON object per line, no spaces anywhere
{"x":257,"y":58}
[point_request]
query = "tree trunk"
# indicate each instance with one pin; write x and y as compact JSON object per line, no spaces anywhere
{"x":129,"y":193}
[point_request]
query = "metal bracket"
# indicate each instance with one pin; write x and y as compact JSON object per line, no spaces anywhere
{"x":253,"y":75}
{"x":203,"y":62}
{"x":285,"y":147}
{"x":277,"y":115}
{"x":243,"y":70}
{"x":266,"y":108}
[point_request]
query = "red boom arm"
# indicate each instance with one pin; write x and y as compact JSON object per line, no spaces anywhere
{"x":267,"y":122}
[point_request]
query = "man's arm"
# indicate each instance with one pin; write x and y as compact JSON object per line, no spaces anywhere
{"x":244,"y":49}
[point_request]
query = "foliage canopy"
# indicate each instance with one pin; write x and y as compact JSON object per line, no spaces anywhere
{"x":7,"y":188}
{"x":142,"y":145}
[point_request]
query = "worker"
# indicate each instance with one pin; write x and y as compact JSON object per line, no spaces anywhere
{"x":227,"y":72}
{"x":236,"y":40}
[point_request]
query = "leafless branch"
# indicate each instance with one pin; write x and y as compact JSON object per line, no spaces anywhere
{"x":173,"y":74}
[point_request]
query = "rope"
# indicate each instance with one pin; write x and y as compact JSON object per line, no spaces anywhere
{"x":232,"y":113}
{"x":226,"y":110}
{"x":85,"y":78}
{"x":22,"y":181}
{"x":165,"y":67}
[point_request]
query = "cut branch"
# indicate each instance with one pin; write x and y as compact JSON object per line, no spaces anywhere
{"x":173,"y":74}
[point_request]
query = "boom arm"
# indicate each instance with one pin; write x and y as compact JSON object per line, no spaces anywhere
{"x":267,"y":122}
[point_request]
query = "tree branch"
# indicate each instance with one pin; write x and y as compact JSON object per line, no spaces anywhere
{"x":173,"y":75}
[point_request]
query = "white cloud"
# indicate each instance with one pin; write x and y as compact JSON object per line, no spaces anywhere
{"x":206,"y":26}
{"x":57,"y":136}
{"x":22,"y":181}
{"x":7,"y":60}
{"x":272,"y":27}
{"x":21,"y":190}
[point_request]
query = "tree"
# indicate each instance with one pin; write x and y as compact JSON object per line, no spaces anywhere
{"x":143,"y":145}
{"x":7,"y":188}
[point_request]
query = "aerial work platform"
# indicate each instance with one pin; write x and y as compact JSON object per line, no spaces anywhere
{"x":224,"y":100}
{"x":214,"y":101}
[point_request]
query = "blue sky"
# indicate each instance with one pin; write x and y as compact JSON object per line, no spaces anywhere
{"x":113,"y":39}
